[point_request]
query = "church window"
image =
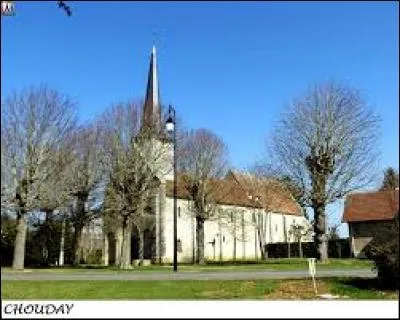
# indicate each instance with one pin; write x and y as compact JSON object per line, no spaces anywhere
{"x":179,"y":212}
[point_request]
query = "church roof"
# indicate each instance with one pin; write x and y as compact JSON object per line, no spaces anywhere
{"x":229,"y":191}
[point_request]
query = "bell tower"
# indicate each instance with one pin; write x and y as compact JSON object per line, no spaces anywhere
{"x":152,"y":126}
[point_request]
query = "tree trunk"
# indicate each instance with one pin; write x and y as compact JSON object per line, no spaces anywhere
{"x":125,"y":262}
{"x":20,"y":242}
{"x":234,"y":248}
{"x":78,"y":226}
{"x":234,"y":240}
{"x":300,"y":249}
{"x":213,"y":245}
{"x":220,"y":247}
{"x":118,"y":245}
{"x":261,"y":239}
{"x":62,"y":241}
{"x":243,"y":238}
{"x":320,"y":239}
{"x":105,"y":249}
{"x":77,"y":244}
{"x":200,"y":240}
{"x":161,"y":236}
{"x":220,"y":239}
{"x":256,"y":245}
{"x":141,"y":246}
{"x":48,"y":236}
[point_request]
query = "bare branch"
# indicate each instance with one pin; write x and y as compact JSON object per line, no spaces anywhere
{"x":34,"y":124}
{"x":201,"y":161}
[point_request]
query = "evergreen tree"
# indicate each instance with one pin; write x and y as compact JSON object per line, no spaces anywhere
{"x":390,"y":179}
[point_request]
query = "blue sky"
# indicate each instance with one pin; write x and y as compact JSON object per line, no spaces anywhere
{"x":227,"y":66}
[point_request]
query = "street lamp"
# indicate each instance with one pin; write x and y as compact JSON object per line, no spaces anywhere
{"x":171,"y":128}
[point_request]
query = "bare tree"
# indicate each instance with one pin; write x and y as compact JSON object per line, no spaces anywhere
{"x":137,"y":160}
{"x":326,"y":144}
{"x":390,"y":180}
{"x":262,"y":190}
{"x":121,"y":125}
{"x":85,"y":176}
{"x":299,"y":233}
{"x":54,"y":195}
{"x":265,"y":194}
{"x":34,"y":123}
{"x":202,"y":159}
{"x":233,"y":221}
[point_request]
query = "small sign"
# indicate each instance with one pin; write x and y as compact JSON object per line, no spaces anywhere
{"x":7,"y":8}
{"x":311,"y":266}
{"x":312,"y":270}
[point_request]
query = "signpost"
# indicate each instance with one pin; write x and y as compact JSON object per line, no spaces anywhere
{"x":312,"y":271}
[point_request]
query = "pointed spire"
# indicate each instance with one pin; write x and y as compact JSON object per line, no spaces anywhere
{"x":151,"y":108}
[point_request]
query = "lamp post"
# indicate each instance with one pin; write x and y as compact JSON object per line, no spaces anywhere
{"x":171,"y":128}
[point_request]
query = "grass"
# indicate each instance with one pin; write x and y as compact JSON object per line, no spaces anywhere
{"x":359,"y":288}
{"x":270,"y":264}
{"x":136,"y":289}
{"x":178,"y":290}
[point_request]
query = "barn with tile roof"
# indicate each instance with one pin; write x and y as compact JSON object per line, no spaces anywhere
{"x":369,"y":214}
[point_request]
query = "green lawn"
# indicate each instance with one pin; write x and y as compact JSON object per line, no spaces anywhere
{"x":270,"y":264}
{"x":135,"y":289}
{"x":227,"y":289}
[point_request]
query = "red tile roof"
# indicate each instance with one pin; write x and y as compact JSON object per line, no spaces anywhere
{"x":231,"y":191}
{"x":367,"y":206}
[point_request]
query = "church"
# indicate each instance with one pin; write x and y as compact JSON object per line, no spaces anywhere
{"x":244,"y":221}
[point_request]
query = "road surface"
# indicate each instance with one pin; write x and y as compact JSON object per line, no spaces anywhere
{"x":219,"y":275}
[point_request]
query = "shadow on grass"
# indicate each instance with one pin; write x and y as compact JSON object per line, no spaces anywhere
{"x":68,"y":267}
{"x":370,"y":284}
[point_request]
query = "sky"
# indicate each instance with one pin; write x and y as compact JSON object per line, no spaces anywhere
{"x":231,"y":67}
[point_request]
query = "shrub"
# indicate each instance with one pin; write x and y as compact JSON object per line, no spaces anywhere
{"x":94,"y":256}
{"x":384,"y":251}
{"x":8,"y":232}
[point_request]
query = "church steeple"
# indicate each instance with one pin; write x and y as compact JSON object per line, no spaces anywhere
{"x":151,"y":110}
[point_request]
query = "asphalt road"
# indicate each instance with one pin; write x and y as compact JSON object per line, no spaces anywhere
{"x":220,"y":275}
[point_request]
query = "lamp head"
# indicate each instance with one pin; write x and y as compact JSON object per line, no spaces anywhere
{"x":170,"y":123}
